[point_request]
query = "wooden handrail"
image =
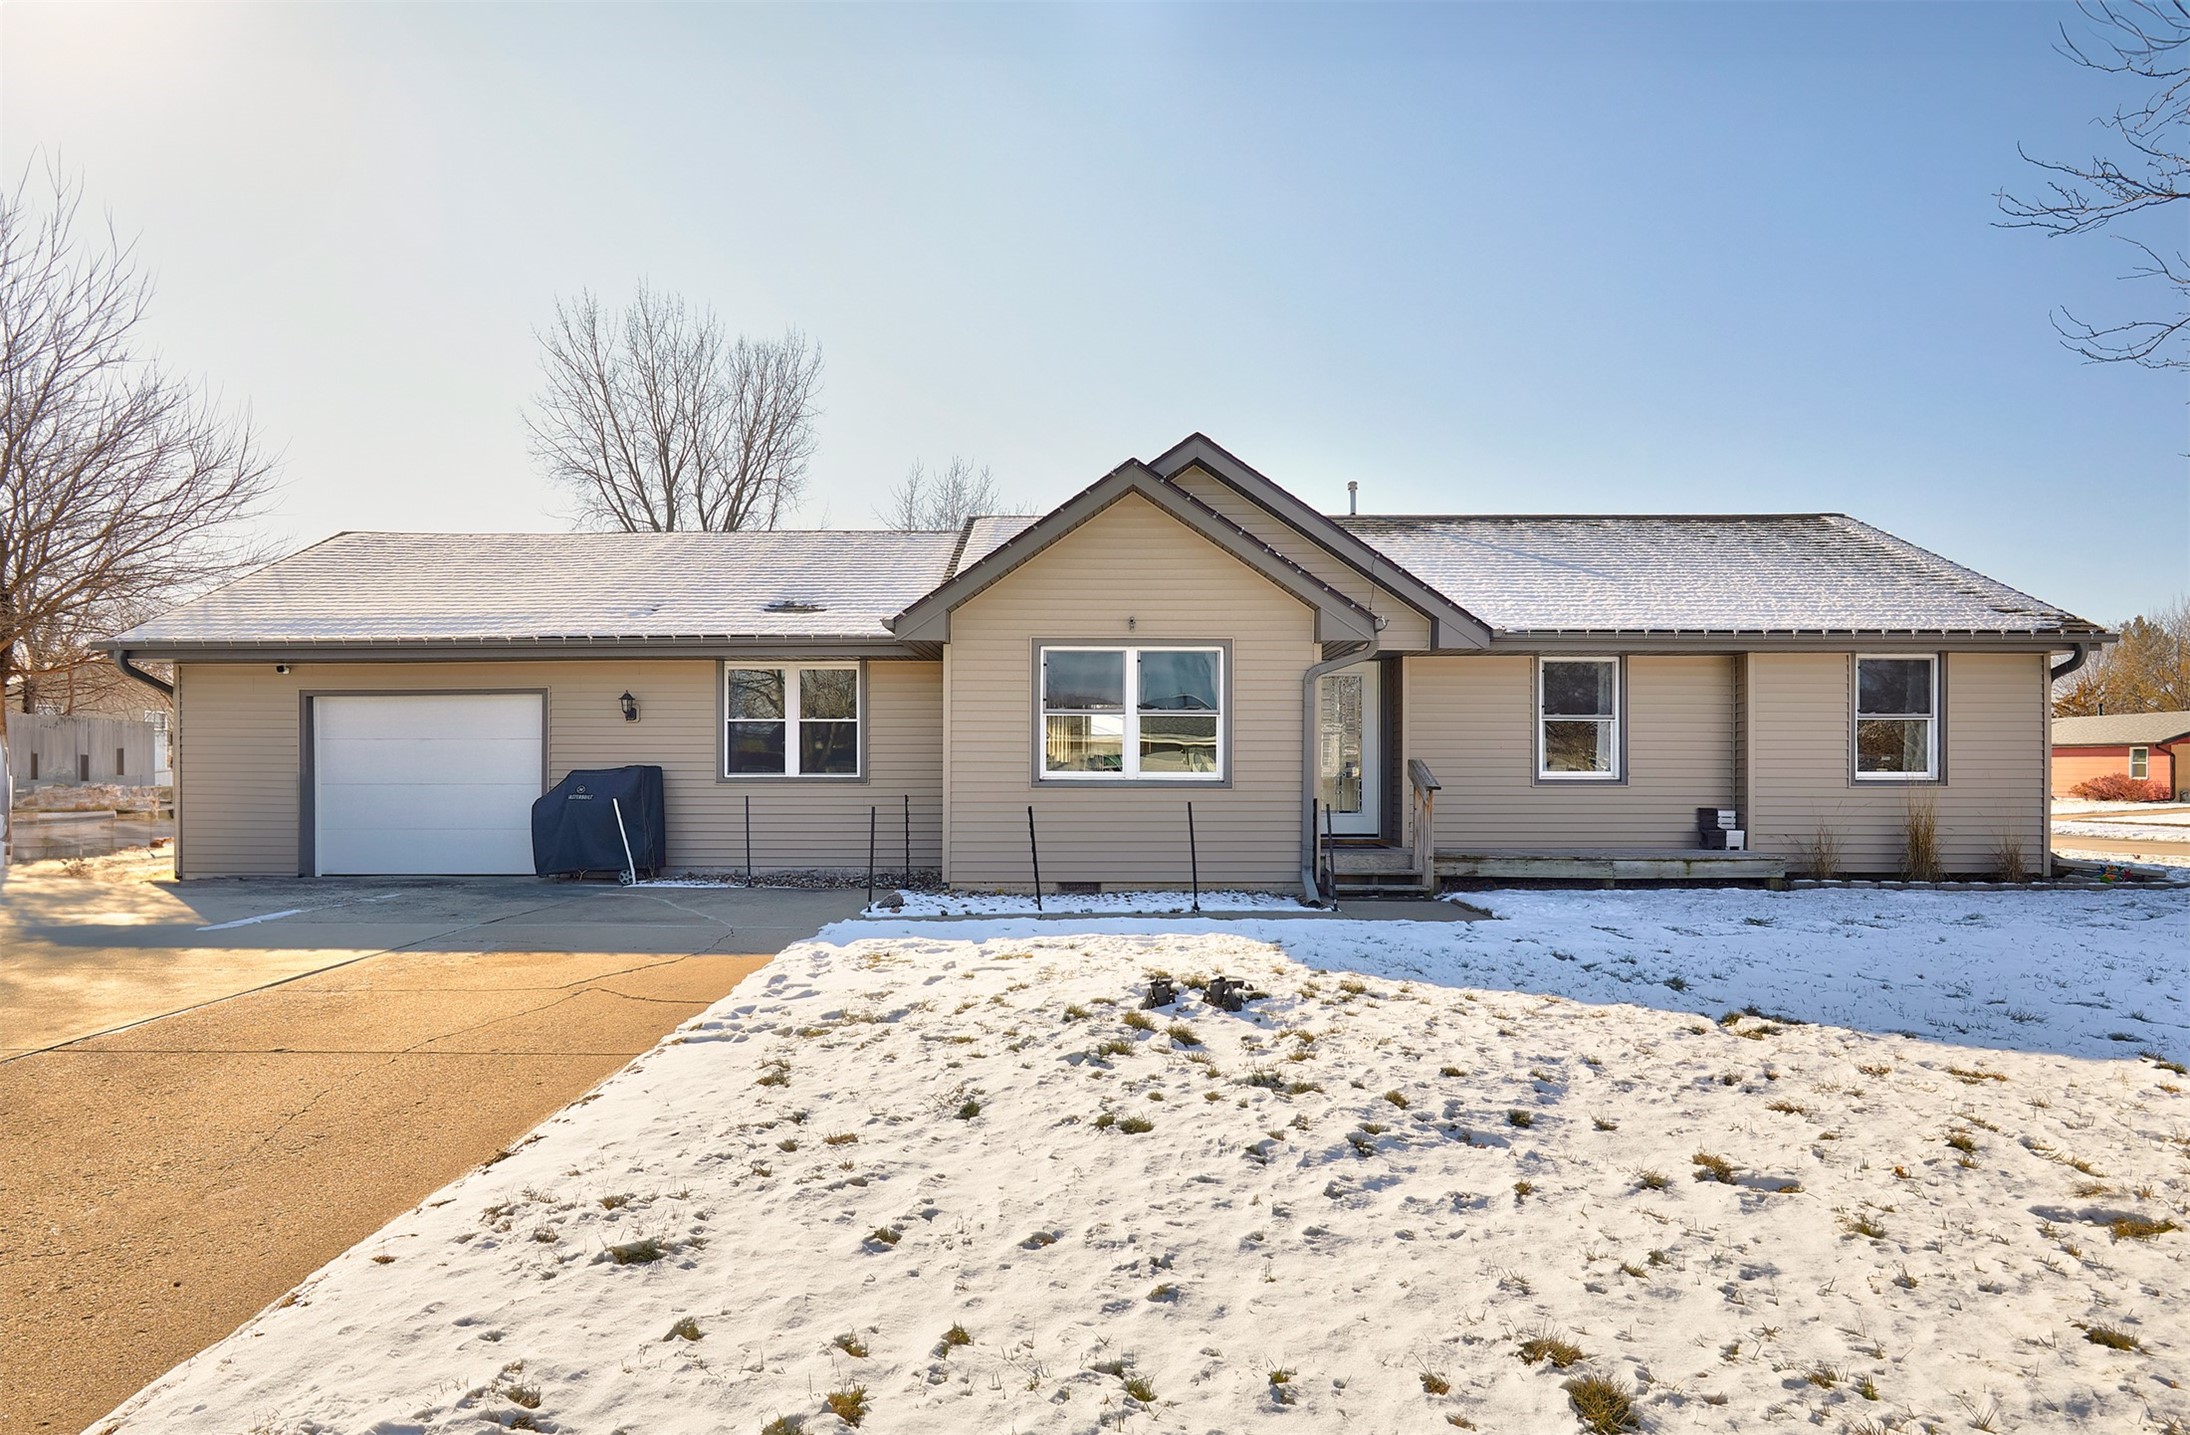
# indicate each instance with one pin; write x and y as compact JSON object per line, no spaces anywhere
{"x":1424,"y":789}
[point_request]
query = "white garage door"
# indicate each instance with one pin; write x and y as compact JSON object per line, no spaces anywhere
{"x":425,"y":782}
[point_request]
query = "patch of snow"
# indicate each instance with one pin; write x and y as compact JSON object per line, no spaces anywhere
{"x":2123,"y":831}
{"x":989,"y":904}
{"x":1425,"y":1145}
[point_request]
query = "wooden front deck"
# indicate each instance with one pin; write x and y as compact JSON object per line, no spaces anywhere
{"x":1363,"y":867}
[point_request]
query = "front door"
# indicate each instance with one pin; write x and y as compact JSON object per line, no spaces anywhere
{"x":1349,"y":756}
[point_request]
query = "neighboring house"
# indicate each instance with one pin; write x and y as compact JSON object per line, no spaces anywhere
{"x":2145,"y":746}
{"x":1182,"y":631}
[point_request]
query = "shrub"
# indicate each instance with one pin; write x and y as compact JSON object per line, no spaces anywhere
{"x":1920,"y":839}
{"x":2121,"y":787}
{"x":1820,"y":853}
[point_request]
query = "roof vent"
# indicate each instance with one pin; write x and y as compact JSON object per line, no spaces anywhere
{"x":793,"y":605}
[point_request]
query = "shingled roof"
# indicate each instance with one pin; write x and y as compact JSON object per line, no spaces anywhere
{"x":2120,"y":729}
{"x":1765,"y":573}
{"x":369,"y":588}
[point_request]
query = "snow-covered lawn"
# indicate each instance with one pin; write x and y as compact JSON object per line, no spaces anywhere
{"x":2155,"y":829}
{"x":1430,"y":1153}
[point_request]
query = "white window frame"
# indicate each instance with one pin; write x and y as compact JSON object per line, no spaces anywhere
{"x":1130,"y":766}
{"x":2140,"y":756}
{"x":1616,"y":727}
{"x":792,"y":748}
{"x":1931,"y":720}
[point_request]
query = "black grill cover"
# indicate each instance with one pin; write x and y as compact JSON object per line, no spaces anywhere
{"x":574,"y":826}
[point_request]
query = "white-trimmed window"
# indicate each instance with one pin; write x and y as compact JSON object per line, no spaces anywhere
{"x":2140,"y":763}
{"x":1578,"y":719}
{"x":1896,"y":718}
{"x":791,"y":721}
{"x":1124,"y":714}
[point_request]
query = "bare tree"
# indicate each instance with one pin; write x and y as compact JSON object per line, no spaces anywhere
{"x":2148,"y":671}
{"x":121,"y":486}
{"x":945,"y":499}
{"x":656,"y":421}
{"x":2147,"y":40}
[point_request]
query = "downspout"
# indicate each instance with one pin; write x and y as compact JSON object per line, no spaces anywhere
{"x":2054,"y":673}
{"x":164,"y":689}
{"x":1308,"y":734}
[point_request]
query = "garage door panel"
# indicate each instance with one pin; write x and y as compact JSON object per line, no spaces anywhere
{"x":386,"y":805}
{"x":425,"y":782}
{"x":459,"y":760}
{"x":444,"y":851}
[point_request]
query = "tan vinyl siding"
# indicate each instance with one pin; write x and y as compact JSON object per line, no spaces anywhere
{"x":1129,"y":562}
{"x":238,"y":754}
{"x":1473,"y":721}
{"x":1405,"y":630}
{"x":1994,"y":750}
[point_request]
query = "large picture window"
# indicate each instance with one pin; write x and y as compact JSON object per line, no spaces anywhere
{"x":1578,"y":719}
{"x":1133,"y":713}
{"x":791,"y":721}
{"x":1896,"y":719}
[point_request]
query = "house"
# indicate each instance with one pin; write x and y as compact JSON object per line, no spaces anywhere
{"x":2144,"y":746}
{"x":1391,"y":699}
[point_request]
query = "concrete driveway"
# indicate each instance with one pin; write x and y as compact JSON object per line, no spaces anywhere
{"x":203,"y":1101}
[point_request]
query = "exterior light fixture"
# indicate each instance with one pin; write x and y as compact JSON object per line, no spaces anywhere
{"x":630,"y":706}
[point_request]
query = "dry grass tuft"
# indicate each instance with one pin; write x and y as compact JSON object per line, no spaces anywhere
{"x":1820,"y":853}
{"x":1920,"y":838}
{"x":2139,"y":1228}
{"x":849,"y":1406}
{"x":1558,"y":1351}
{"x":850,"y":1343}
{"x":1605,"y":1406}
{"x":2113,"y":1339}
{"x":685,"y":1329}
{"x":1713,"y":1168}
{"x":956,"y":1336}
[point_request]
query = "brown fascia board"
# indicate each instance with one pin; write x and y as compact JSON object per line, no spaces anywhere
{"x":1371,"y":562}
{"x":928,"y":619}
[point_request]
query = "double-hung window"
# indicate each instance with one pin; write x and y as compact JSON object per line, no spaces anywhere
{"x":1132,"y":713}
{"x":791,"y":721}
{"x":1896,"y":719}
{"x":2140,"y":763}
{"x":1578,"y":719}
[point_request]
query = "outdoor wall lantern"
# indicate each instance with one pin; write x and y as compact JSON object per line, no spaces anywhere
{"x":630,"y":707}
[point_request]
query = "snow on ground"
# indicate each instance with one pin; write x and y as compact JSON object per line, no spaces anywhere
{"x":2084,"y":806}
{"x":979,"y":904}
{"x":2155,"y":830}
{"x":1430,"y":1152}
{"x":2164,"y":862}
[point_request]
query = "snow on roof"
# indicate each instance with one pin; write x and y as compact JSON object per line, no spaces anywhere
{"x":425,"y":587}
{"x":1809,"y":572}
{"x":2116,"y":729}
{"x":990,"y":532}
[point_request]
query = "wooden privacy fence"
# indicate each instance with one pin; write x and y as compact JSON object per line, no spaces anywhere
{"x":43,"y":748}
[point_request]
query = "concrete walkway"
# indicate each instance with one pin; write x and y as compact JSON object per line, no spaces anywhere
{"x":265,"y":1095}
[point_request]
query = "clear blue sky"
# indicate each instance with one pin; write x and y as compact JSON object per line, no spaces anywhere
{"x":1569,"y":258}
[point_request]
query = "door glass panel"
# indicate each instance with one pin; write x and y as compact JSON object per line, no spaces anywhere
{"x":1339,"y":741}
